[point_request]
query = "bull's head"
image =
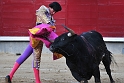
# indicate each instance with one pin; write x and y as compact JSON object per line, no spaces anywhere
{"x":63,"y":40}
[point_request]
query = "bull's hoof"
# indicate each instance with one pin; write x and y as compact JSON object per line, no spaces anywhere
{"x":112,"y":81}
{"x":84,"y":81}
{"x":7,"y":79}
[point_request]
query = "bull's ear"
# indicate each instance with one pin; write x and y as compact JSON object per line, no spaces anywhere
{"x":70,"y":30}
{"x":69,"y":34}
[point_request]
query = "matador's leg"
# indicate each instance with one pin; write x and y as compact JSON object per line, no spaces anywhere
{"x":36,"y":61}
{"x":28,"y":51}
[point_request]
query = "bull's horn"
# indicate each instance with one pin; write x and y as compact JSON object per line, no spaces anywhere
{"x":70,"y":30}
{"x":69,"y":34}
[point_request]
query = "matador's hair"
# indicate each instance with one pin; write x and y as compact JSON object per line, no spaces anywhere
{"x":56,"y":6}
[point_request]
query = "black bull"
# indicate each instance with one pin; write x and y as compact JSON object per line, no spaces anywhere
{"x":83,"y":54}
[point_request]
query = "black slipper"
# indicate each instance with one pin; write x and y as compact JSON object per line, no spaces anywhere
{"x":7,"y":79}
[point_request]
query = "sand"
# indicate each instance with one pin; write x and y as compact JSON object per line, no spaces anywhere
{"x":53,"y":71}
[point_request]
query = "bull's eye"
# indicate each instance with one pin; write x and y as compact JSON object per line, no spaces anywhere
{"x":62,"y":39}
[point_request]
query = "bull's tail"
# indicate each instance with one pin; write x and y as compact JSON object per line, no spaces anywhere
{"x":107,"y":60}
{"x":111,"y":58}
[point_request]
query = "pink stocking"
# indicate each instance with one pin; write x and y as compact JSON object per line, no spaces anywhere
{"x":36,"y":74}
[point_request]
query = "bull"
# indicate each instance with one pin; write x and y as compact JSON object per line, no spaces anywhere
{"x":83,"y":54}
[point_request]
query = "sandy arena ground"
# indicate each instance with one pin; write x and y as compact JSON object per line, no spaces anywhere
{"x":53,"y":71}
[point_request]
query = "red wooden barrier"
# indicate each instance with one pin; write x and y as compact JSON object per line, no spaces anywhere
{"x":105,"y":16}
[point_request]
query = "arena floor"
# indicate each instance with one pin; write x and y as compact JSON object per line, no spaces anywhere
{"x":53,"y":71}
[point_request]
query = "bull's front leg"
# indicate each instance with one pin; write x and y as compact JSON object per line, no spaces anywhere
{"x":74,"y":71}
